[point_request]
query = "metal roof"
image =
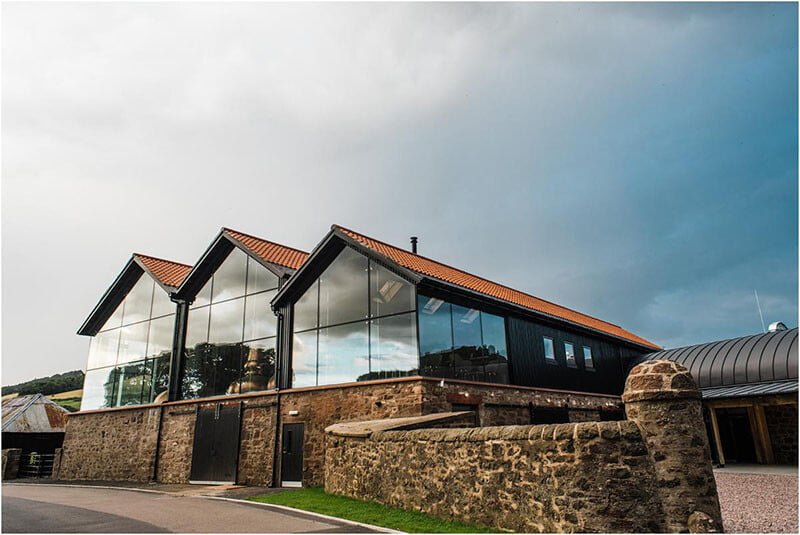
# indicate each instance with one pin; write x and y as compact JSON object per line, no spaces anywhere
{"x":755,"y":365}
{"x":34,"y":413}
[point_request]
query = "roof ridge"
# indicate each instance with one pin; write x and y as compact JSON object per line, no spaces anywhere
{"x":228,"y":229}
{"x":482,"y":278}
{"x":19,"y":412}
{"x":162,"y":259}
{"x":723,"y":340}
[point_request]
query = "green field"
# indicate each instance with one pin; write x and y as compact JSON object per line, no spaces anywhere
{"x":318,"y":501}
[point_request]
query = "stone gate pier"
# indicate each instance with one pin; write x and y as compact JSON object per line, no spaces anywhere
{"x":649,"y":473}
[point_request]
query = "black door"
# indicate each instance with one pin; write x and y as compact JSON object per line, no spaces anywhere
{"x":292,"y":454}
{"x":216,"y":445}
{"x":738,"y":445}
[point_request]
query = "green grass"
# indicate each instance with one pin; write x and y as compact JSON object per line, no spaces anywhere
{"x":316,"y":500}
{"x":71,"y":404}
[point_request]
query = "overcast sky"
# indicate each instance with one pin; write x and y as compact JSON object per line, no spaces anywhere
{"x":634,"y":162}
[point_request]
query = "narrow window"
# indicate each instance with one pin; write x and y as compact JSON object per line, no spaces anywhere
{"x":549,"y":350}
{"x":588,"y":362}
{"x":569,"y":351}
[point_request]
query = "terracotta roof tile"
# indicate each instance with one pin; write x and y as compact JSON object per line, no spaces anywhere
{"x":167,"y":272}
{"x":268,"y":251}
{"x":437,"y":270}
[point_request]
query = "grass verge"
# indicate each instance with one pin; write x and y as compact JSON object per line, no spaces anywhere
{"x":318,"y":501}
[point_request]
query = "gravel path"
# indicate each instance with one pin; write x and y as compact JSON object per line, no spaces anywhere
{"x":758,"y":503}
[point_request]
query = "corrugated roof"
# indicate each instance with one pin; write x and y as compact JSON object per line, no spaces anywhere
{"x":750,"y":360}
{"x":269,"y":251}
{"x":167,"y":272}
{"x":437,"y":270}
{"x":33,"y":413}
{"x":757,"y":389}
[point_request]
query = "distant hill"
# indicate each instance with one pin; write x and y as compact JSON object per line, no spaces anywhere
{"x":60,"y":382}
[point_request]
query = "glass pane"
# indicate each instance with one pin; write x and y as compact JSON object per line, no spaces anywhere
{"x":193,"y":373}
{"x":466,"y":327}
{"x":305,"y":309}
{"x":393,"y":347}
{"x":304,"y":359}
{"x":435,"y":337}
{"x":588,"y":361}
{"x":103,"y":349}
{"x":549,"y":349}
{"x":203,"y":297}
{"x":259,"y":278}
{"x":160,"y":377}
{"x":343,"y":354}
{"x":138,"y":300}
{"x":494,"y":334}
{"x":569,"y":351}
{"x":226,"y":322}
{"x":131,"y":379}
{"x":197,"y":328}
{"x":133,"y":342}
{"x":259,"y":321}
{"x":98,"y":389}
{"x":343,"y":289}
{"x":258,"y":370}
{"x":161,"y":303}
{"x":116,"y":318}
{"x":229,"y":279}
{"x":159,"y":342}
{"x":226,"y":362}
{"x":389,"y":293}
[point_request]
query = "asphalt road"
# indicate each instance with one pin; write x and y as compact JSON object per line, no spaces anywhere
{"x":47,"y":509}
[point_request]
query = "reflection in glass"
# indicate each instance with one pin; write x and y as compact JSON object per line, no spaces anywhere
{"x":210,"y":370}
{"x":258,"y":370}
{"x":130,"y":381}
{"x":103,"y":349}
{"x":203,"y":297}
{"x":133,"y":342}
{"x":260,"y":321}
{"x":230,"y":277}
{"x":549,"y":349}
{"x":393,"y":347}
{"x":98,"y":389}
{"x":138,"y":301}
{"x":259,"y":278}
{"x":435,"y":337}
{"x":116,"y":318}
{"x":227,"y":321}
{"x":162,"y":305}
{"x":304,"y":359}
{"x":343,"y":288}
{"x":159,"y":369}
{"x":159,"y":341}
{"x":343,"y":353}
{"x":588,"y":361}
{"x":389,"y":293}
{"x":569,"y":351}
{"x":305,"y":309}
{"x":466,"y":327}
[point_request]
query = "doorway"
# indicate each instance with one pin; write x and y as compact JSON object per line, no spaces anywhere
{"x":215,"y":454}
{"x":292,"y":455}
{"x":736,"y":435}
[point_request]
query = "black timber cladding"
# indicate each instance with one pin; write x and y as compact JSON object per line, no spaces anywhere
{"x":760,"y":358}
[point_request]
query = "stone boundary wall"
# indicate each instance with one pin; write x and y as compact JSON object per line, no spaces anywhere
{"x":651,"y":473}
{"x":11,"y":458}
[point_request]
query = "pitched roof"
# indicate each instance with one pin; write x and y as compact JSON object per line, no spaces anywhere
{"x":437,"y":270}
{"x":269,"y":251}
{"x":167,"y":272}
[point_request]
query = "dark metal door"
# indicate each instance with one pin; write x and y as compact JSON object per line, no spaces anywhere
{"x":216,"y":445}
{"x":292,"y":453}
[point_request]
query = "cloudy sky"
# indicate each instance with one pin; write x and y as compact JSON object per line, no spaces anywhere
{"x":634,"y":162}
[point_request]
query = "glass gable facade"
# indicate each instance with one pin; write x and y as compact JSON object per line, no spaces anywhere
{"x":129,"y":358}
{"x":230,"y":339}
{"x":457,"y":342}
{"x":357,"y":322}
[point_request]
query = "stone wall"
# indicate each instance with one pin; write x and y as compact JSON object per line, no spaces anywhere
{"x":651,"y":473}
{"x":782,"y":425}
{"x":11,"y":457}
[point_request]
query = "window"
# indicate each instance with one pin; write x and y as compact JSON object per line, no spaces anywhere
{"x":355,"y":323}
{"x":549,"y":350}
{"x":230,"y":277}
{"x":460,"y":342}
{"x":569,"y":352}
{"x":588,"y":361}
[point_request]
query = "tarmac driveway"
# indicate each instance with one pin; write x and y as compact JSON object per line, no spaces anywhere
{"x":42,"y":509}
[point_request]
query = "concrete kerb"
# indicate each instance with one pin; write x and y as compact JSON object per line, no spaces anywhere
{"x":299,"y":512}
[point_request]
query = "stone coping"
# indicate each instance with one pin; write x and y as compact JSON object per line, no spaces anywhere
{"x":367,"y":428}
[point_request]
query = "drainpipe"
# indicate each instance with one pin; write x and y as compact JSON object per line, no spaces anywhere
{"x":278,"y":384}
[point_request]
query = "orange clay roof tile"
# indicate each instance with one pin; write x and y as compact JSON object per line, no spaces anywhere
{"x":268,"y":251}
{"x":167,"y":272}
{"x":437,"y":270}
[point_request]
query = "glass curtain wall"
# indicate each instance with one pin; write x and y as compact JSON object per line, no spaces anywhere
{"x":461,"y":343}
{"x":129,"y":358}
{"x":230,"y":339}
{"x":355,"y":323}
